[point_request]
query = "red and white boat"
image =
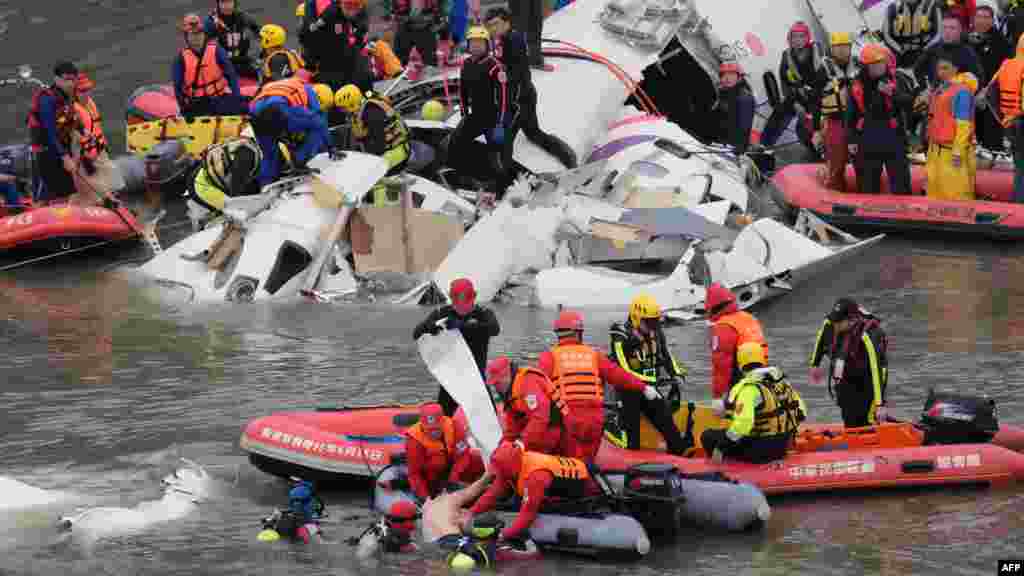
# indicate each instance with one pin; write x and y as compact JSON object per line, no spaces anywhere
{"x":61,"y":226}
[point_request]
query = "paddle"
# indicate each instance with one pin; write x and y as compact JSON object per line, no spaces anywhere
{"x":451,"y":363}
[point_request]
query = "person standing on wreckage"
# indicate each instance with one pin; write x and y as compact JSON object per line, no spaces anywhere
{"x":476,"y":324}
{"x":797,"y":74}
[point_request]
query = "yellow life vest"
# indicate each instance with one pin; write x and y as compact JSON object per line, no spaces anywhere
{"x":836,"y":93}
{"x":913,"y":23}
{"x":781,"y":409}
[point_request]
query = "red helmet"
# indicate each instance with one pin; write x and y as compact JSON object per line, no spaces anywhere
{"x":463,"y":295}
{"x":800,"y":27}
{"x":497,"y":369}
{"x":716,"y":297}
{"x":431,"y":416}
{"x":733,"y":67}
{"x":191,"y":23}
{"x":402,"y":516}
{"x":568,"y":321}
{"x":507,"y":460}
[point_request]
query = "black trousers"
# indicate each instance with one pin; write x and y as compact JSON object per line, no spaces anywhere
{"x":528,"y":18}
{"x":896,"y":166}
{"x":755,"y":450}
{"x":463,"y":140}
{"x":53,"y":181}
{"x":633,"y":405}
{"x":526,"y":120}
{"x":355,"y":71}
{"x":423,"y":39}
{"x":990,"y":131}
{"x":854,"y":400}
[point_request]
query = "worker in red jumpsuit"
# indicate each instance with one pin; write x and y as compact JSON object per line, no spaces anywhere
{"x":529,"y":415}
{"x":438,"y":453}
{"x":730,"y":329}
{"x":579,"y":373}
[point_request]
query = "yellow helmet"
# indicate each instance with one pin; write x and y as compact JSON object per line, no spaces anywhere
{"x":643,"y":307}
{"x":967,"y":79}
{"x":300,"y":10}
{"x":272,"y":36}
{"x":325,"y":95}
{"x":751,"y":353}
{"x":433,"y":110}
{"x":841,"y":38}
{"x":215,"y":161}
{"x":478,"y":33}
{"x":349,"y":98}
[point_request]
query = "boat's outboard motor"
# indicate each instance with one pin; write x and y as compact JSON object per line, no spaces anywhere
{"x":654,"y":496}
{"x":16,"y":159}
{"x":167,"y":164}
{"x":958,"y":419}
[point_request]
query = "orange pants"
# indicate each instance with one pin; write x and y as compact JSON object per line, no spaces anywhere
{"x":837,"y":154}
{"x":583,"y":432}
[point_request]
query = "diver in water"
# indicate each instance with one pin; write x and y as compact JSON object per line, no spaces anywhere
{"x":301,"y":521}
{"x":393,"y":533}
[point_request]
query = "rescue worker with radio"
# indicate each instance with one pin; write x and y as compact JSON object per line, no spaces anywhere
{"x":50,"y":123}
{"x":730,"y":329}
{"x":798,"y":72}
{"x":910,"y":26}
{"x":438,"y":453}
{"x":763,"y":412}
{"x":205,"y":80}
{"x":1005,"y":88}
{"x":834,"y":80}
{"x":232,"y":28}
{"x":992,"y":48}
{"x":417,"y":25}
{"x":278,"y":62}
{"x":529,"y":415}
{"x":376,"y":126}
{"x":951,"y":151}
{"x":639,"y":347}
{"x":856,"y":345}
{"x":579,"y":373}
{"x":288,"y":111}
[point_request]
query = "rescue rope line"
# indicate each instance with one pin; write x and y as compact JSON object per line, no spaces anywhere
{"x":645,"y":101}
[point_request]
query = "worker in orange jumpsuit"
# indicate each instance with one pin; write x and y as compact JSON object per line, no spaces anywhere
{"x":438,"y":453}
{"x":579,"y":373}
{"x":529,"y":415}
{"x":730,"y":329}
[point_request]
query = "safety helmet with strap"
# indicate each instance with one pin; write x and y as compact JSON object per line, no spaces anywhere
{"x":272,"y":36}
{"x":349,"y":98}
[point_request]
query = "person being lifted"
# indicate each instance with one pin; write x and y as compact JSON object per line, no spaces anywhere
{"x":579,"y":373}
{"x":278,"y":62}
{"x":438,"y":453}
{"x":205,"y":80}
{"x":856,"y":345}
{"x":763,"y":412}
{"x":376,"y":126}
{"x":834,"y":80}
{"x":730,"y":329}
{"x":951,"y":136}
{"x":232,"y":28}
{"x":797,"y":73}
{"x":910,"y":26}
{"x":639,"y":347}
{"x":530,"y":417}
{"x":736,"y":107}
{"x":288,"y":111}
{"x":476,"y":324}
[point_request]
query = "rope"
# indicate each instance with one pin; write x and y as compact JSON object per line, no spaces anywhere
{"x":645,"y":101}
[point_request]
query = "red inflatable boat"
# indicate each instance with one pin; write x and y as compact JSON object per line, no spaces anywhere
{"x":992,"y":215}
{"x":330,"y":443}
{"x":61,"y":226}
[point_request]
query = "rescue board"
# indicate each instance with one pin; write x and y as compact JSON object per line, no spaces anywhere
{"x":197,"y":135}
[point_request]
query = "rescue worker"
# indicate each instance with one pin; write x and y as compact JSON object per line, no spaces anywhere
{"x":874,"y":124}
{"x":950,"y":136}
{"x":283,"y":111}
{"x":763,"y":412}
{"x":536,"y":478}
{"x":797,"y":73}
{"x":639,"y":347}
{"x":300,"y":15}
{"x":964,"y":10}
{"x":965,"y":58}
{"x":834,"y":80}
{"x":528,"y":413}
{"x":278,"y":62}
{"x":730,"y":329}
{"x":510,"y":48}
{"x":205,"y":80}
{"x":417,"y":25}
{"x":476,"y":324}
{"x":231,"y":28}
{"x":438,"y":453}
{"x":1013,"y":20}
{"x":910,"y":26}
{"x":334,"y":37}
{"x":1007,"y":83}
{"x":971,"y":156}
{"x":993,"y":49}
{"x":579,"y":374}
{"x":528,"y":16}
{"x":97,"y":176}
{"x":483,"y":98}
{"x":856,"y":345}
{"x":50,"y":123}
{"x":400,"y":523}
{"x":305,"y":511}
{"x":736,"y":107}
{"x":376,"y":126}
{"x":227,"y":170}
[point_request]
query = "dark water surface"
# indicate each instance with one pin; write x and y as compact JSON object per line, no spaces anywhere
{"x":104,"y":390}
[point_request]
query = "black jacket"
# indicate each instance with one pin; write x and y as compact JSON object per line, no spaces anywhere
{"x":992,"y":48}
{"x":635,"y":356}
{"x":477,"y":328}
{"x":736,"y":108}
{"x":483,"y":90}
{"x":512,"y":53}
{"x":865,"y":359}
{"x":966,"y":59}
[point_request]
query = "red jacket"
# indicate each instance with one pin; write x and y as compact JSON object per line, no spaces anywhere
{"x":430,"y":471}
{"x":537,"y":484}
{"x":527,"y":416}
{"x":611,"y":373}
{"x":723,"y":358}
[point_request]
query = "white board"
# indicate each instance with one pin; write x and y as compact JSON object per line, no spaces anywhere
{"x":450,"y":361}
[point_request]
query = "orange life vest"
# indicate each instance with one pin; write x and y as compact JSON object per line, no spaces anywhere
{"x":516,"y":394}
{"x":857,"y":91}
{"x":748,"y":328}
{"x":941,"y":119}
{"x":92,"y":140}
{"x":204,"y":78}
{"x":570,"y":474}
{"x":291,"y":89}
{"x":576,"y":376}
{"x":64,"y":121}
{"x":1010,"y":76}
{"x":445,"y":447}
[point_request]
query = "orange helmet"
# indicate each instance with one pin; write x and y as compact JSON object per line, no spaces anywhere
{"x":568,"y":321}
{"x":191,"y":23}
{"x":733,"y":67}
{"x":873,"y":54}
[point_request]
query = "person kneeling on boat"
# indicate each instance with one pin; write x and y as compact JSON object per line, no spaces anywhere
{"x":856,"y":345}
{"x":763,"y":412}
{"x":278,"y":62}
{"x":205,"y":80}
{"x":288,"y":111}
{"x":376,"y":126}
{"x":529,"y":414}
{"x":950,"y":136}
{"x":639,"y":347}
{"x":438,"y":453}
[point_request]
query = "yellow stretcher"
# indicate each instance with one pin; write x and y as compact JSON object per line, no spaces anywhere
{"x":703,"y":418}
{"x":197,"y":135}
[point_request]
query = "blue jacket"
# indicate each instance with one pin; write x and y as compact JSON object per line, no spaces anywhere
{"x":48,"y":118}
{"x":308,"y":122}
{"x":225,"y":64}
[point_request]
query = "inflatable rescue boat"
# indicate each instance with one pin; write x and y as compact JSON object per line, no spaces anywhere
{"x":60,"y":226}
{"x":992,"y":215}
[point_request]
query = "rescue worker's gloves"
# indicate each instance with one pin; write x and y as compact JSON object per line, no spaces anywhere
{"x":651,"y":393}
{"x":496,"y":136}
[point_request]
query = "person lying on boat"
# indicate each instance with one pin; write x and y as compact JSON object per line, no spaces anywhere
{"x":730,"y":329}
{"x":952,"y":153}
{"x":438,"y":453}
{"x":205,"y":80}
{"x":377,"y":127}
{"x":763,"y":412}
{"x":639,"y":347}
{"x":392,"y":534}
{"x":232,"y":28}
{"x":288,"y":111}
{"x":277,"y":62}
{"x":857,"y":348}
{"x":735,"y":107}
{"x":529,"y":414}
{"x":476,"y":324}
{"x":50,"y":121}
